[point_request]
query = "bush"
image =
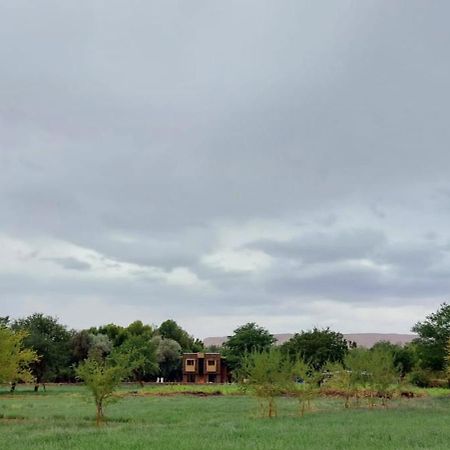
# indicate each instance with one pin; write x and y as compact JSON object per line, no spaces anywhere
{"x":420,"y":378}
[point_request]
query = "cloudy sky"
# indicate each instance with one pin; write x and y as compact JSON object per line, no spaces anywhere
{"x":218,"y":162}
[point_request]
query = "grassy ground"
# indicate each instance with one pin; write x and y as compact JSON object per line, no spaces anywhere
{"x":63,"y":418}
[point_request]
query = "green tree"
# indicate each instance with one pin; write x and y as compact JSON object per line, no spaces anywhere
{"x":14,"y":358}
{"x":115,"y":333}
{"x":267,"y":375}
{"x":248,"y":338}
{"x":142,"y":355}
{"x":434,"y":333}
{"x":169,"y":329}
{"x":383,"y":373}
{"x":308,"y":384}
{"x":404,"y":356}
{"x":316,"y":347}
{"x":102,"y":378}
{"x":51,"y":341}
{"x":168,"y":354}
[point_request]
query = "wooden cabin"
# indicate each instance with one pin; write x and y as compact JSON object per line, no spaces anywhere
{"x":204,"y":368}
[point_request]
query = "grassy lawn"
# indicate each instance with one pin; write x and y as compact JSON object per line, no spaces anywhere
{"x":63,"y":418}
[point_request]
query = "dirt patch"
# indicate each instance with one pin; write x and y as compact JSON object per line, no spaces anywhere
{"x":171,"y":394}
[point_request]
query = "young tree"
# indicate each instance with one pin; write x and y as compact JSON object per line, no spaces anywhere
{"x":267,"y":374}
{"x":14,"y":358}
{"x":102,"y":377}
{"x":383,"y":373}
{"x":307,"y":384}
{"x":248,"y":338}
{"x":316,"y":347}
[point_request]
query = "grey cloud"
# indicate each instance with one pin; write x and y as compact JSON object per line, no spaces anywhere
{"x":71,"y":263}
{"x":325,"y":246}
{"x":142,"y":131}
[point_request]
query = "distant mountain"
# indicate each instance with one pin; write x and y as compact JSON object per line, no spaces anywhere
{"x":361,"y":339}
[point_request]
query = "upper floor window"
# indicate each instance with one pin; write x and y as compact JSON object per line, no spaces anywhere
{"x":211,"y":362}
{"x":190,"y":362}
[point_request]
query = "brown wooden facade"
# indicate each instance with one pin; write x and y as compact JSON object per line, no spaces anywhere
{"x":204,"y":368}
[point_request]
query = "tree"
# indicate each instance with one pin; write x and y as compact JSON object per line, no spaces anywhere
{"x":267,"y":375}
{"x":14,"y":358}
{"x":80,"y":344}
{"x":102,"y":377}
{"x":309,"y":388}
{"x":142,"y":355}
{"x":171,"y":330}
{"x":316,"y":347}
{"x":383,"y":373}
{"x":168,"y":353}
{"x":115,"y":333}
{"x":248,"y":338}
{"x":434,"y":333}
{"x":51,"y":341}
{"x":404,"y":356}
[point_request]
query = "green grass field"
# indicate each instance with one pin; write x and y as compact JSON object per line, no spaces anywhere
{"x":165,"y":418}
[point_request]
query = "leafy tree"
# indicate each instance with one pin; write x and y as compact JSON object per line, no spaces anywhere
{"x":267,"y":375}
{"x":115,"y":333}
{"x":168,"y":353}
{"x":383,"y":373}
{"x":339,"y":377}
{"x":316,"y":347}
{"x":100,"y":346}
{"x":51,"y":341}
{"x":80,"y":344}
{"x":102,"y":377}
{"x":434,"y":333}
{"x":171,"y":330}
{"x":371,"y":369}
{"x":404,"y":356}
{"x":14,"y":358}
{"x":310,"y":384}
{"x":142,"y":356}
{"x":248,"y":338}
{"x":137,"y":328}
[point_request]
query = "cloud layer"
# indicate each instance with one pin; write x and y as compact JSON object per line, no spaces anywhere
{"x":219,"y":162}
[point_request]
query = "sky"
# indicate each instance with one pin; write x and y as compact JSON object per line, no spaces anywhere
{"x":282,"y":162}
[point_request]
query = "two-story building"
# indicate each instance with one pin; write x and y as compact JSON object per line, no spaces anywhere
{"x":204,"y":368}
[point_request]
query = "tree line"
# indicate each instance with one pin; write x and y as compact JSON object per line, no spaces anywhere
{"x":40,"y":348}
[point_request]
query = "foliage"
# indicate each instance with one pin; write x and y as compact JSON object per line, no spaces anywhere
{"x":267,"y":374}
{"x":309,"y":388}
{"x":142,"y":355}
{"x":116,"y":333}
{"x":434,"y":333}
{"x":169,"y":329}
{"x":420,"y":377}
{"x":404,"y":356}
{"x":248,"y":338}
{"x":14,"y":358}
{"x":51,"y":341}
{"x":102,"y":377}
{"x":168,"y":354}
{"x":316,"y":347}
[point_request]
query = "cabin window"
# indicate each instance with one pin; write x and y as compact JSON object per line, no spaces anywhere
{"x":211,"y":362}
{"x":190,"y":362}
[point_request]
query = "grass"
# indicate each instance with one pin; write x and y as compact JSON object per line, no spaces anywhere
{"x":151,"y":418}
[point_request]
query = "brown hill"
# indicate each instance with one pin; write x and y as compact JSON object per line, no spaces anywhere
{"x":361,"y":339}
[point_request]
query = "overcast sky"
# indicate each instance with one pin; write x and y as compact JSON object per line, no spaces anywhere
{"x":219,"y":162}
